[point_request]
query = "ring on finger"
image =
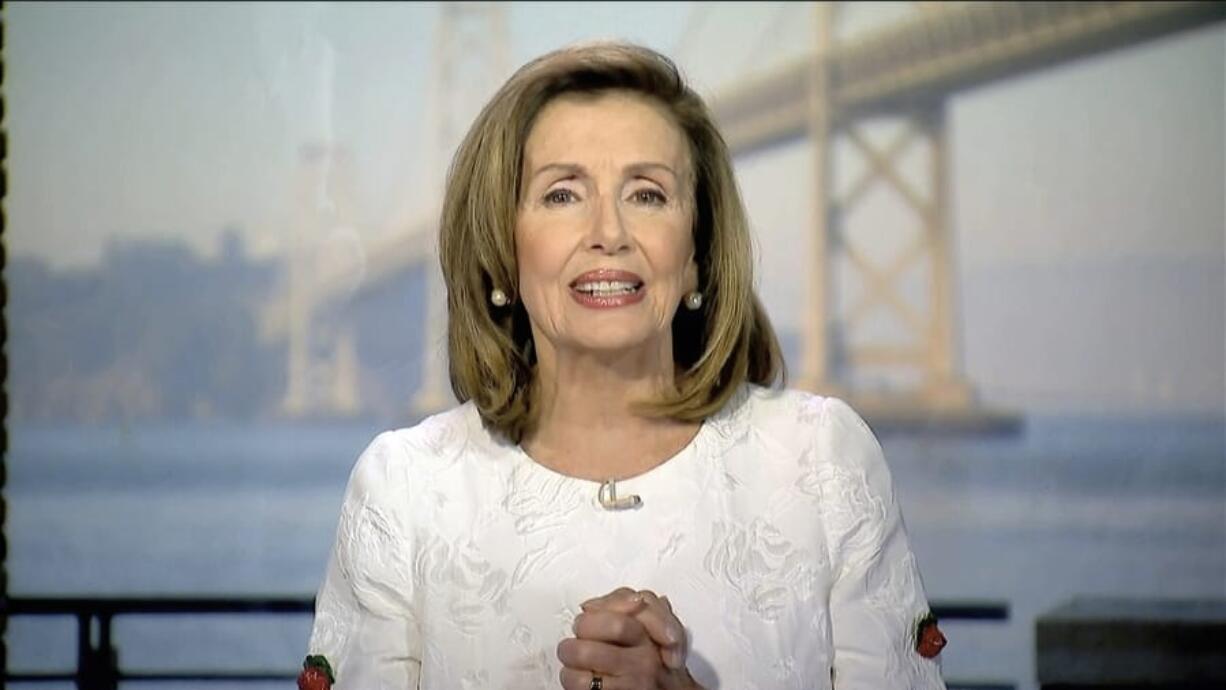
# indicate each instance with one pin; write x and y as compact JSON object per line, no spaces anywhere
{"x":596,"y":684}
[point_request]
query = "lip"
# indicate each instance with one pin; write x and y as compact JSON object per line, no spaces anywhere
{"x":606,"y":274}
{"x":612,"y":301}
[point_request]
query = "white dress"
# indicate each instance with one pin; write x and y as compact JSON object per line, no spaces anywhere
{"x":460,"y":562}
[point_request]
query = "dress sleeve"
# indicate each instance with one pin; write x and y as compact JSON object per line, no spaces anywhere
{"x":877,"y":597}
{"x":365,"y":621}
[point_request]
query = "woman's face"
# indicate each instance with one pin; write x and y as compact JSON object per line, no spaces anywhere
{"x":603,"y":232}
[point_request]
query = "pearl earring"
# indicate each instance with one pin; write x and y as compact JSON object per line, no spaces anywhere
{"x":693,"y":301}
{"x":498,"y":298}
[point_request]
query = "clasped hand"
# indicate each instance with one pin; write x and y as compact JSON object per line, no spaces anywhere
{"x":630,"y":640}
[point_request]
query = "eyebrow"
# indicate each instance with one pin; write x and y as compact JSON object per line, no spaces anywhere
{"x":578,"y":170}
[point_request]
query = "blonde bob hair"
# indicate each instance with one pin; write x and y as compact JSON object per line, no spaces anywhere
{"x":725,"y":343}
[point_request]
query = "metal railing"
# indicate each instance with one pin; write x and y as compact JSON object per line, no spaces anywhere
{"x":98,"y":665}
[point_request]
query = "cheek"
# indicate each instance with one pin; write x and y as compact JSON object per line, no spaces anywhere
{"x":542,"y":266}
{"x":676,"y":262}
{"x":539,"y":268}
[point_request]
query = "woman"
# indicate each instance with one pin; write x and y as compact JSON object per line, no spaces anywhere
{"x":620,"y":501}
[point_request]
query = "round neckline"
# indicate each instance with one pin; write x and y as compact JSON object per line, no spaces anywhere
{"x":715,"y":435}
{"x":660,"y":468}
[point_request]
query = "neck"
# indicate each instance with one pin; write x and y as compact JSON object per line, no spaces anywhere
{"x":587,"y":425}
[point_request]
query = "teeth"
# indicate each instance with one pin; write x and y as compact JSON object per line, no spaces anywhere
{"x":605,"y":288}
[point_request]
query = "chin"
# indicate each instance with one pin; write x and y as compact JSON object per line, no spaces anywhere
{"x":613,"y":340}
{"x":614,"y":346}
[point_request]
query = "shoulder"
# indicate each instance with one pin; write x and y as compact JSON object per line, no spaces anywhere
{"x":377,"y":536}
{"x":825,"y":435}
{"x":826,"y":428}
{"x":390,"y":458}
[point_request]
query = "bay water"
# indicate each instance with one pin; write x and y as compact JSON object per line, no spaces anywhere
{"x":1071,"y":506}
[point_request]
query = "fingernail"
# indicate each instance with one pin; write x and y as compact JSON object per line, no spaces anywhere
{"x":675,"y":661}
{"x":672,"y":636}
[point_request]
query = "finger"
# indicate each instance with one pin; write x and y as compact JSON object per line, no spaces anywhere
{"x":658,"y":619}
{"x":609,"y":626}
{"x":574,"y":679}
{"x":675,"y":657}
{"x":664,"y":628}
{"x":580,"y":679}
{"x":635,"y":666}
{"x":622,"y":599}
{"x":601,"y":657}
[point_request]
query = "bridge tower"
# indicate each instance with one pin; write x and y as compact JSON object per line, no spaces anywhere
{"x":865,"y":335}
{"x":322,"y":377}
{"x":471,"y":55}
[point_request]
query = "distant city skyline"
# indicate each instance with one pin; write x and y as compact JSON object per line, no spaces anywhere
{"x":179,"y":121}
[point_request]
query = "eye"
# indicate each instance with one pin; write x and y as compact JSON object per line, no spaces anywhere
{"x":651,"y":197}
{"x":558,"y":196}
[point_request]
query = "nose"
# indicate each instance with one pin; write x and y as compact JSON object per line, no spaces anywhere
{"x":608,"y":233}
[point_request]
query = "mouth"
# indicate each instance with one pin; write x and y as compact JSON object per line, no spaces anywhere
{"x":606,"y":283}
{"x":605,"y":288}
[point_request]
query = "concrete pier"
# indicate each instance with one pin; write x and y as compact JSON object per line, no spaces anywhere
{"x":1132,"y":643}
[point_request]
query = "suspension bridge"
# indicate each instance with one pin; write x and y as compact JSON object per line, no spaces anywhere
{"x":905,"y":70}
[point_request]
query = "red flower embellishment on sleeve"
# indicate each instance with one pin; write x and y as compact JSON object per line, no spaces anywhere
{"x":316,"y":674}
{"x":929,"y":641}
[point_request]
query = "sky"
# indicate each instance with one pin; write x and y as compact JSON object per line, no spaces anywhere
{"x":1087,"y":199}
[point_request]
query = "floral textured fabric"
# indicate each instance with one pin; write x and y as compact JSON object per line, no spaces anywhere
{"x":460,"y":563}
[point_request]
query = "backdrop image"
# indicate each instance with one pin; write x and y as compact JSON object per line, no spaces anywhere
{"x":997,"y":230}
